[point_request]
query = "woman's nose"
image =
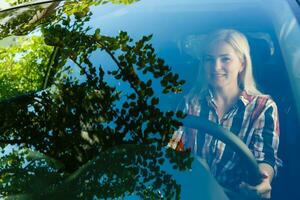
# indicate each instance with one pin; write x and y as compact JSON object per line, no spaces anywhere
{"x":217,"y":64}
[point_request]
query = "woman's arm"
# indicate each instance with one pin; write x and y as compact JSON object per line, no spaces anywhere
{"x":265,"y":145}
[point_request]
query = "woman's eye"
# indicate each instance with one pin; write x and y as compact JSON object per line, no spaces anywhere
{"x":226,"y":59}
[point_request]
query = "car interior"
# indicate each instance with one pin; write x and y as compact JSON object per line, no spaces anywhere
{"x":177,"y":34}
{"x":179,"y":50}
{"x":271,"y":77}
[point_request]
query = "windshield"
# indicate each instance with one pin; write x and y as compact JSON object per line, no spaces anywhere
{"x":85,"y":84}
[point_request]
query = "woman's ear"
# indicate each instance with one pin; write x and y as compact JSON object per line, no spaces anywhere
{"x":243,"y":65}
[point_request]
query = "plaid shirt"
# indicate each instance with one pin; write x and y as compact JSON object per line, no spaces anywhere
{"x":254,"y":119}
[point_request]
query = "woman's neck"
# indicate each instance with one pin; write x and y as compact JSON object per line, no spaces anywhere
{"x":227,"y":94}
{"x":225,"y":98}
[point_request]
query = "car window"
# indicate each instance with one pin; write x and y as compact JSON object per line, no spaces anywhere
{"x":91,"y":92}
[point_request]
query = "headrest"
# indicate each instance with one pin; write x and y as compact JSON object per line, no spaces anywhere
{"x":261,"y":45}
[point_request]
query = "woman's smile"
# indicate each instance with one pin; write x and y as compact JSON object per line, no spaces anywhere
{"x":217,"y":76}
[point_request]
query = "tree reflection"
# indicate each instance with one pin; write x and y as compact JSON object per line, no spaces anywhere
{"x":23,"y":66}
{"x":82,"y":136}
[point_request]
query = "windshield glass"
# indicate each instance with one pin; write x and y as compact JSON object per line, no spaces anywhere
{"x":91,"y":92}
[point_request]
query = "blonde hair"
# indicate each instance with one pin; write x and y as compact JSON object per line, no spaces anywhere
{"x":240,"y":44}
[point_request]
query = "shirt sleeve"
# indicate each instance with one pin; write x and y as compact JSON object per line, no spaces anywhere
{"x":176,"y":141}
{"x":265,"y":139}
{"x":184,"y":138}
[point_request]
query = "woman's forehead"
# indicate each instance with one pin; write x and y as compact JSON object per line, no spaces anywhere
{"x":219,"y":48}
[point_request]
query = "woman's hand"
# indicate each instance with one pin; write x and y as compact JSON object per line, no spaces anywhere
{"x":262,"y":190}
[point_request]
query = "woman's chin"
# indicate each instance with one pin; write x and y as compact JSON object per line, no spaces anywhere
{"x":217,"y":84}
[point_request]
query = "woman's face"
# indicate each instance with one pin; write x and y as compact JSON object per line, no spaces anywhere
{"x":221,"y":65}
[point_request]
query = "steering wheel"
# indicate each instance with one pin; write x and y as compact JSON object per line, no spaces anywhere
{"x":230,"y":139}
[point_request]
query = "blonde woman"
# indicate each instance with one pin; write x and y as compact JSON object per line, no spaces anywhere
{"x":226,"y":94}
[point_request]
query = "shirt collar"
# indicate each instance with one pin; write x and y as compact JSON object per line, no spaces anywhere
{"x":244,"y":98}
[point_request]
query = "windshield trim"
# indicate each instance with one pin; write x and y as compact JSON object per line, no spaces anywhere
{"x":29,"y":5}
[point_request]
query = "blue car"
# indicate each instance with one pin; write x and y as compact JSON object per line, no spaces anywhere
{"x":90,"y":94}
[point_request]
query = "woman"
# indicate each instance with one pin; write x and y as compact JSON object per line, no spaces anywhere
{"x":226,"y":94}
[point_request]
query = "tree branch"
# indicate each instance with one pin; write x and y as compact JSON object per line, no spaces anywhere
{"x":119,"y":66}
{"x":49,"y":66}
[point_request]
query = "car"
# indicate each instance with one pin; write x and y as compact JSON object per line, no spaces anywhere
{"x":90,"y":91}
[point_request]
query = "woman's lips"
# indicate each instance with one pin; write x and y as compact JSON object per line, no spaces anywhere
{"x":217,"y":75}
